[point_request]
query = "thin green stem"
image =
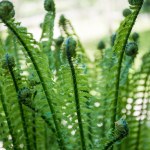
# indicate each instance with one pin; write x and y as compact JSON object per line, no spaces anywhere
{"x":34,"y":130}
{"x":76,"y":95}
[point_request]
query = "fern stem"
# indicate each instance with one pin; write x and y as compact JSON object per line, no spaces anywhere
{"x":45,"y":89}
{"x":14,"y":140}
{"x":21,"y":108}
{"x":34,"y":130}
{"x":34,"y":125}
{"x":141,"y":113}
{"x":76,"y":95}
{"x":120,"y":66}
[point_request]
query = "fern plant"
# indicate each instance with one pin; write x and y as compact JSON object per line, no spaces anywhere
{"x":53,"y":97}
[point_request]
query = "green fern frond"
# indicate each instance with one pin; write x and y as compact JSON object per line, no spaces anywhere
{"x":119,"y":47}
{"x":33,"y":52}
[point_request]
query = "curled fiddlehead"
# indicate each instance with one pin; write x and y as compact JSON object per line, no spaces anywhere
{"x":49,"y":5}
{"x":120,"y":132}
{"x":59,"y":41}
{"x":131,"y":49}
{"x":135,"y":2}
{"x":6,"y":10}
{"x":101,"y":45}
{"x":25,"y":96}
{"x":126,"y":12}
{"x":135,"y":36}
{"x":8,"y":61}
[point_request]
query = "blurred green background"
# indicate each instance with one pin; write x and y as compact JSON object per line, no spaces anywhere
{"x":92,"y":19}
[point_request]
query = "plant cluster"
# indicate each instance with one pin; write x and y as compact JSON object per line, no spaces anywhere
{"x":52,"y":96}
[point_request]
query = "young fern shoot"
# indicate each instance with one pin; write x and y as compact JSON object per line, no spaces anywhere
{"x":70,"y":46}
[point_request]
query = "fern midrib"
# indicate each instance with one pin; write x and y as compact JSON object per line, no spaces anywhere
{"x":34,"y":124}
{"x":59,"y":137}
{"x":34,"y":130}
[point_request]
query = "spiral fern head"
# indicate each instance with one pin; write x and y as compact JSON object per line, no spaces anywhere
{"x":120,"y":132}
{"x":135,"y":2}
{"x":59,"y":41}
{"x":135,"y":36}
{"x":24,"y":95}
{"x":6,"y":10}
{"x":131,"y":49}
{"x":62,"y":20}
{"x":8,"y":62}
{"x":49,"y":5}
{"x":32,"y":80}
{"x":126,"y":12}
{"x":121,"y":127}
{"x":101,"y":45}
{"x":70,"y":46}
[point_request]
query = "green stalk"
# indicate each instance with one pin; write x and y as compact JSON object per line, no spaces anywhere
{"x":76,"y":95}
{"x":20,"y":107}
{"x":10,"y":126}
{"x":34,"y":124}
{"x":34,"y":130}
{"x":45,"y":88}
